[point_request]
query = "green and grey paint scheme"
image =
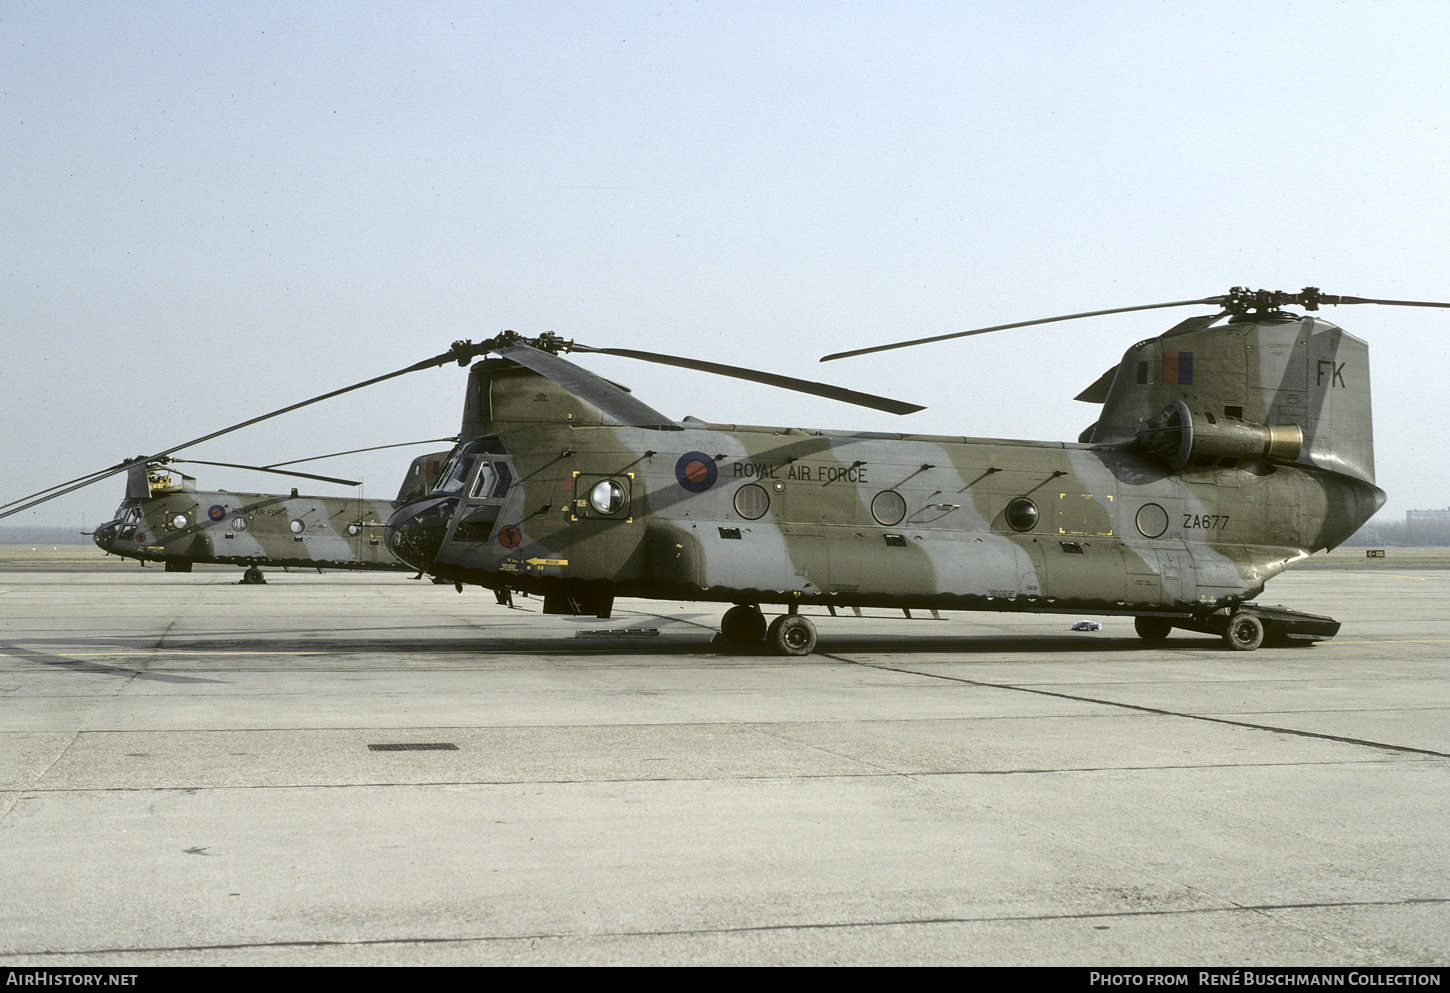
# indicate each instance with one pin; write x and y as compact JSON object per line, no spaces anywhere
{"x":164,"y":518}
{"x":1223,"y":454}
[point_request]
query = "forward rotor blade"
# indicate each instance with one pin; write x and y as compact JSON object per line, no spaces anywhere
{"x":83,"y":481}
{"x":1022,"y":324}
{"x":584,"y":384}
{"x":768,"y":378}
{"x":262,"y":468}
{"x":354,"y":451}
{"x":1389,"y":303}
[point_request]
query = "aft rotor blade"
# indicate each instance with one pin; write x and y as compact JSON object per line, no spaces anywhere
{"x":1022,"y":324}
{"x":610,"y":399}
{"x":83,"y":481}
{"x":262,"y":468}
{"x":768,"y":378}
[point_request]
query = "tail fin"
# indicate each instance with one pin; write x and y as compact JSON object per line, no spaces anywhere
{"x":1202,"y":391}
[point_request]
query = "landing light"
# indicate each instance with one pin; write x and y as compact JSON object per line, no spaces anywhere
{"x":606,"y":496}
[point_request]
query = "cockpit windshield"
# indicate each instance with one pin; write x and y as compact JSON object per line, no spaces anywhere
{"x":455,"y":475}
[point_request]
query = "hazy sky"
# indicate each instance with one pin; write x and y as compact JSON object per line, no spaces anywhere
{"x":212,"y":210}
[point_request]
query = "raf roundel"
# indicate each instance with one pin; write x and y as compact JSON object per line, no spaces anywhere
{"x":509,"y":536}
{"x":696,"y":471}
{"x":217,"y":512}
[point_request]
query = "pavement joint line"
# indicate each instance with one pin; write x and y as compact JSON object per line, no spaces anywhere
{"x":1399,"y":641}
{"x":1232,"y":908}
{"x":915,"y":775}
{"x":1153,"y":710}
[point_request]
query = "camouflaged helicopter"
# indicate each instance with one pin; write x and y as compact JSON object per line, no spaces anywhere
{"x":1223,"y":454}
{"x":1226,"y":449}
{"x":163,"y":518}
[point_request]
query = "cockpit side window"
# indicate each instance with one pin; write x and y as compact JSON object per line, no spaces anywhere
{"x":501,"y":487}
{"x":483,"y":484}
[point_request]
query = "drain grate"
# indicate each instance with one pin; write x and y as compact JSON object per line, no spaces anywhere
{"x":415,"y":746}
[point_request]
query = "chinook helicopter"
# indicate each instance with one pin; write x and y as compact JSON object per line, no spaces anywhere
{"x":1226,"y":449}
{"x":163,"y":518}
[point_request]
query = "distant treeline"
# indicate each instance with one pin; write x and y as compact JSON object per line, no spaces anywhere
{"x":43,"y":536}
{"x":1398,"y":534}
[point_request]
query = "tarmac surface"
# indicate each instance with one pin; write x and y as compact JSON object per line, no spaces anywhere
{"x":188,"y":776}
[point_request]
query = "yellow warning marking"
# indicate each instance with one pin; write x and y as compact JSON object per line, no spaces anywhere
{"x":547,"y":561}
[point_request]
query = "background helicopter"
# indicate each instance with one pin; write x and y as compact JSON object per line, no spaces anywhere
{"x":163,"y":518}
{"x":1224,"y":453}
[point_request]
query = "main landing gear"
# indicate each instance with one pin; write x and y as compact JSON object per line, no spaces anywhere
{"x":253,"y":577}
{"x":789,"y":634}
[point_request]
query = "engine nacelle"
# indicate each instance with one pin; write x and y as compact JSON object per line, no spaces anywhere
{"x":1179,"y":436}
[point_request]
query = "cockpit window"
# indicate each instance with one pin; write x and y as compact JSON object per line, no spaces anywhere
{"x":504,"y":477}
{"x":483,"y":485}
{"x":492,"y":482}
{"x":454,"y":478}
{"x":133,"y":516}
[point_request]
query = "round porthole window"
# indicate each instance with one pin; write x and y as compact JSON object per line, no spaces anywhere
{"x":1152,"y":520}
{"x":606,"y":496}
{"x":354,"y":529}
{"x":751,"y":502}
{"x":239,"y":524}
{"x":297,"y":527}
{"x":179,"y":521}
{"x":1022,"y":514}
{"x":889,"y":507}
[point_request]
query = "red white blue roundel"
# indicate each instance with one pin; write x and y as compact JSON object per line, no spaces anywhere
{"x":696,"y":471}
{"x":217,"y":512}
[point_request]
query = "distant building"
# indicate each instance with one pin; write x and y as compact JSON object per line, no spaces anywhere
{"x":1420,"y":519}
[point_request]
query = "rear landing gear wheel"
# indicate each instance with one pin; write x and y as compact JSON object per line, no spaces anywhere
{"x":253,"y":577}
{"x":791,"y":634}
{"x":743,"y":624}
{"x":1245,"y":632}
{"x":1152,"y":628}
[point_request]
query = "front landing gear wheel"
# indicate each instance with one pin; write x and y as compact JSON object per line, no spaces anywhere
{"x":253,"y":577}
{"x":1152,"y":628}
{"x":1245,"y":632}
{"x":791,"y":634}
{"x":743,"y":624}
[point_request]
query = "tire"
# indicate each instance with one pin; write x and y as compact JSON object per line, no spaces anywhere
{"x":1152,"y":628}
{"x":743,"y":624}
{"x":253,"y":577}
{"x":1245,"y":632}
{"x":791,"y":634}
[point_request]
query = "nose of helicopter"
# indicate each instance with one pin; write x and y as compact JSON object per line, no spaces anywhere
{"x":415,"y":532}
{"x":105,"y":535}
